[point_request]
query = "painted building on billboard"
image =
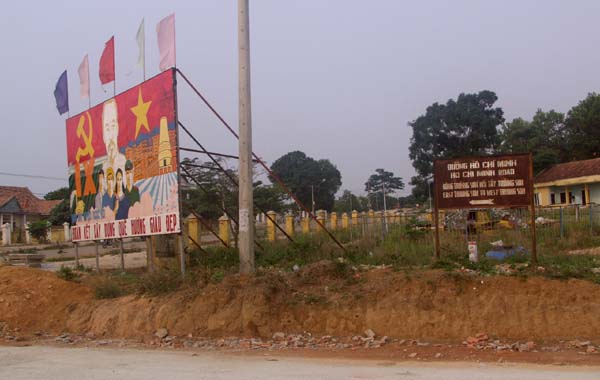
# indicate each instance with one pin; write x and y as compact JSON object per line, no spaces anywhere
{"x":122,"y":157}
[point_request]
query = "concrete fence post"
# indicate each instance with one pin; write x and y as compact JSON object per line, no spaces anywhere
{"x":305,"y":225}
{"x":67,"y":231}
{"x":354,"y":218}
{"x":6,"y":234}
{"x":320,"y":219}
{"x":371,"y":219}
{"x":345,"y":221}
{"x":224,"y":228}
{"x":289,"y":224}
{"x":193,"y":230}
{"x":49,"y":232}
{"x":27,"y":235}
{"x":333,"y":220}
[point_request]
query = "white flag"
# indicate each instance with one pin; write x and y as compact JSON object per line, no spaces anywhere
{"x":141,"y":41}
{"x":84,"y":78}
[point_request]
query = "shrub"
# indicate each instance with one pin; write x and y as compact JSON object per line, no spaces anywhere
{"x":217,"y":276}
{"x":107,"y":288}
{"x":39,"y":230}
{"x":67,"y":274}
{"x":160,"y":282}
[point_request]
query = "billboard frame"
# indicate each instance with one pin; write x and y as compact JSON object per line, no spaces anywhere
{"x":173,"y":75}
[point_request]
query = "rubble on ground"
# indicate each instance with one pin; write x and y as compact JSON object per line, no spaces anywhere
{"x":481,"y":341}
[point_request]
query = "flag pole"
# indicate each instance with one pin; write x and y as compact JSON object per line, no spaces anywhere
{"x":144,"y":50}
{"x":114,"y":70}
{"x":89,"y":87}
{"x":174,"y":41}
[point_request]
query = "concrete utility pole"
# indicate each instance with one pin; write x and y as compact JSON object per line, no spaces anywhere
{"x":246,"y":201}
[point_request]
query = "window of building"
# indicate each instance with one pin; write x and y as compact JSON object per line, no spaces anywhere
{"x":552,"y":199}
{"x":563,"y":198}
{"x":536,"y":199}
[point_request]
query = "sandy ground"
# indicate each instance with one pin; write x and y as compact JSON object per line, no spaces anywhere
{"x":51,"y":363}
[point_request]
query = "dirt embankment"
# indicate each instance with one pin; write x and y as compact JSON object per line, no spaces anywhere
{"x":318,"y":299}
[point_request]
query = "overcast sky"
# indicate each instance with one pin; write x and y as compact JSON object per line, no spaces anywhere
{"x":337,"y":79}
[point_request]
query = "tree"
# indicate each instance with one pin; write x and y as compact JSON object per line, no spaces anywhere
{"x":381,"y":184}
{"x":268,"y":197}
{"x":58,"y":194}
{"x":214,"y":192}
{"x":582,"y":129}
{"x":304,"y":175}
{"x":463,"y":127}
{"x":543,"y":136}
{"x":61,"y":213}
{"x":349,"y":202}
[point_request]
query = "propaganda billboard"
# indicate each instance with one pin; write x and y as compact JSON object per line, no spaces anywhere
{"x":484,"y":182}
{"x":123,"y":168}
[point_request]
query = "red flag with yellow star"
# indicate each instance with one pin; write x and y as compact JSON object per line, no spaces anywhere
{"x":122,"y":159}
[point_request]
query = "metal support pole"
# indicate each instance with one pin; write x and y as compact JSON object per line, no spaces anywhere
{"x":437,"y":229}
{"x":562,"y":223}
{"x":384,"y":209}
{"x":149,"y":254}
{"x":534,"y":259}
{"x":246,"y":214}
{"x":591,"y":208}
{"x":312,"y":197}
{"x":97,"y":256}
{"x":122,"y":253}
{"x":181,"y":255}
{"x":76,"y":255}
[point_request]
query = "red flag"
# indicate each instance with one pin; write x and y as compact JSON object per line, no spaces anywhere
{"x":107,"y":62}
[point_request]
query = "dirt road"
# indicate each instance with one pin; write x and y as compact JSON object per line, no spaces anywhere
{"x":51,"y":363}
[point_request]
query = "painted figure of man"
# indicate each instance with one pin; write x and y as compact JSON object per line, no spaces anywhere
{"x":110,"y":135}
{"x":131,"y":191}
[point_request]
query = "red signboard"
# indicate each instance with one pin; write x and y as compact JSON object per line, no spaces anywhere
{"x":484,"y":182}
{"x":122,"y":157}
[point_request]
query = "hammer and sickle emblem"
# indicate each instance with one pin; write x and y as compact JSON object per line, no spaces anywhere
{"x":88,"y":150}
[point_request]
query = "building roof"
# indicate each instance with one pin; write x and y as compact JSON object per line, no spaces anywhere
{"x":570,"y":170}
{"x":5,"y":198}
{"x":28,"y":202}
{"x":45,"y":207}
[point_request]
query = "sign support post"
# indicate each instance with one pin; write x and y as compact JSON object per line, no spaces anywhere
{"x":121,"y":251}
{"x":533,"y":232}
{"x":76,"y":255}
{"x":437,"y":226}
{"x":97,"y":256}
{"x":181,"y":254}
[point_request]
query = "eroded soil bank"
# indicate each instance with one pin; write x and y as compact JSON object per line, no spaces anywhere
{"x":319,"y":299}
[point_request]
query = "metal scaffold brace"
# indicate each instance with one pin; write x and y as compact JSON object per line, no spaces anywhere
{"x":257,"y":159}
